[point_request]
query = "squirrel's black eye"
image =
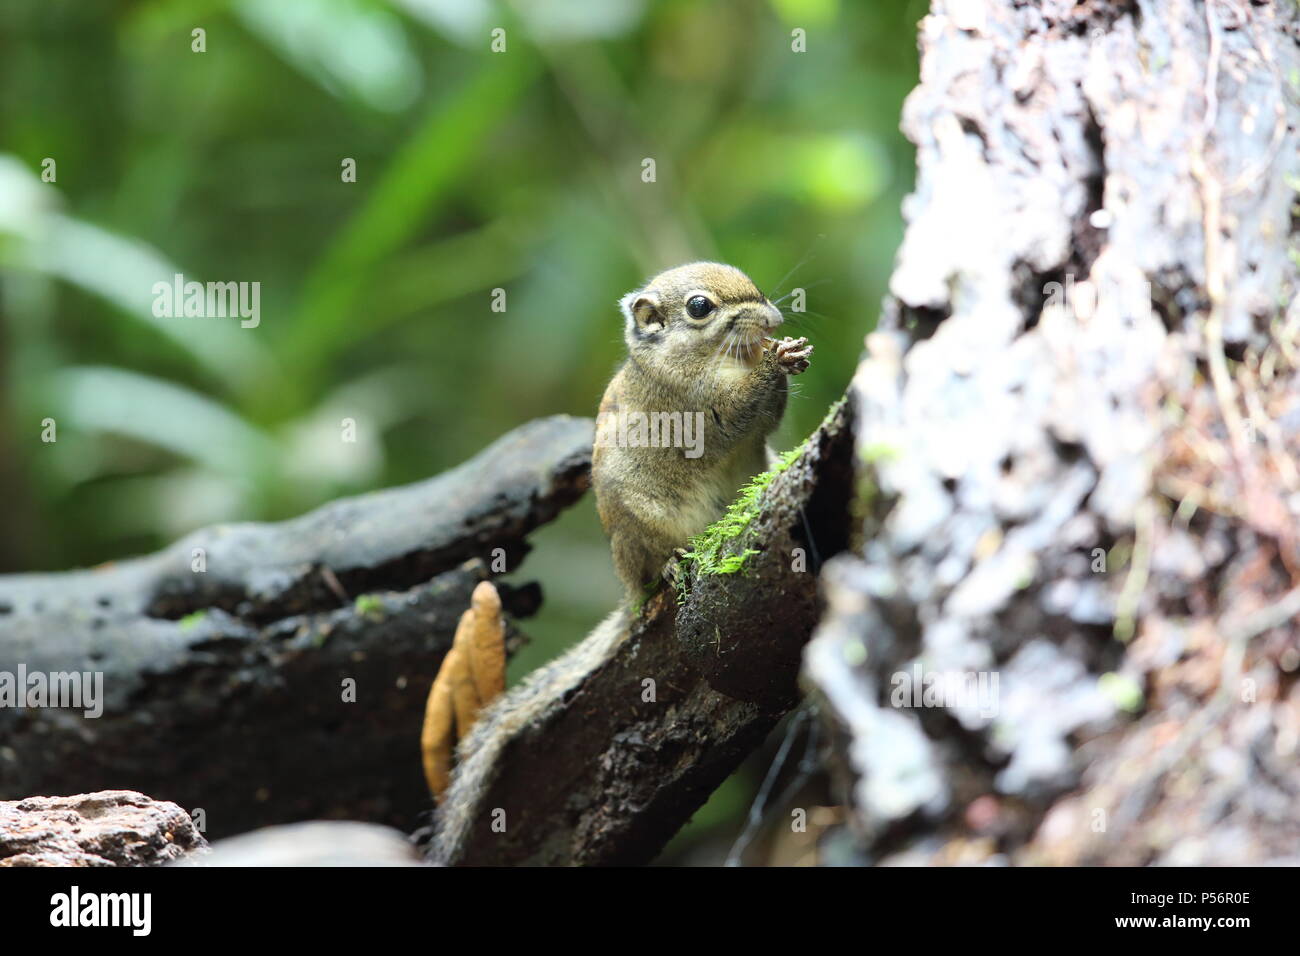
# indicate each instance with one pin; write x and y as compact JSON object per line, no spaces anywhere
{"x":698,"y":306}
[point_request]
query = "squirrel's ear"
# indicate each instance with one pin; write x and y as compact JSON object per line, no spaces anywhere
{"x":642,"y":309}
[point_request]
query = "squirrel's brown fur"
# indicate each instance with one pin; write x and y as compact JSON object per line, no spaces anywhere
{"x":713,"y":369}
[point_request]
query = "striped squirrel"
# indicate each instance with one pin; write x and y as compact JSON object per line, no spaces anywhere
{"x":682,"y":426}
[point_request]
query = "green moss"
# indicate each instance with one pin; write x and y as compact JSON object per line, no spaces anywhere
{"x":713,"y":551}
{"x":880,"y":452}
{"x":865,"y":498}
{"x":647,"y":593}
{"x":368,"y":604}
{"x":1123,"y":691}
{"x":191,"y":620}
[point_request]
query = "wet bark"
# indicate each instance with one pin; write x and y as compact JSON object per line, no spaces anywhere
{"x":225,"y":659}
{"x":1085,"y":487}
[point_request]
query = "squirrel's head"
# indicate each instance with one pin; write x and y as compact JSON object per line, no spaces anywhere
{"x":698,"y":317}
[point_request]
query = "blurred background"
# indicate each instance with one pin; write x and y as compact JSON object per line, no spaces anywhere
{"x":519,"y":170}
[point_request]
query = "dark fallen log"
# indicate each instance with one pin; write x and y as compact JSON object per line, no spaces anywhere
{"x":223,"y":659}
{"x":615,"y":765}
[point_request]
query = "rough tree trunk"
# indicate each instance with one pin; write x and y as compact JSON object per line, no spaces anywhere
{"x":1092,"y":499}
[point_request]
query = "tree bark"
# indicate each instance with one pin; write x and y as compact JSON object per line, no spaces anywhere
{"x":1086,"y":492}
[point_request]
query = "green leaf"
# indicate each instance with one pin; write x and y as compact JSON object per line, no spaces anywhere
{"x":170,"y":416}
{"x":409,"y":192}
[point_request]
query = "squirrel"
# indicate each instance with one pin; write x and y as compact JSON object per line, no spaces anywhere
{"x":683,"y":425}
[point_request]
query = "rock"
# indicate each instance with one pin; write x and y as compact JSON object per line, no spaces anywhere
{"x":318,"y":843}
{"x":107,"y":828}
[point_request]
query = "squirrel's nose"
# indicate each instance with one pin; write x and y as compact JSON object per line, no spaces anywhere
{"x":773,"y":316}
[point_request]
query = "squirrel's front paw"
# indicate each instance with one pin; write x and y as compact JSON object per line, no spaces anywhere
{"x":673,"y":571}
{"x":792,"y":354}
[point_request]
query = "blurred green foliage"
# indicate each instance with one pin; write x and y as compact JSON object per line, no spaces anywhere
{"x":475,"y":170}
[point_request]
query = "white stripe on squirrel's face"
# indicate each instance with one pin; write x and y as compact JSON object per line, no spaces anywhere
{"x":704,"y":320}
